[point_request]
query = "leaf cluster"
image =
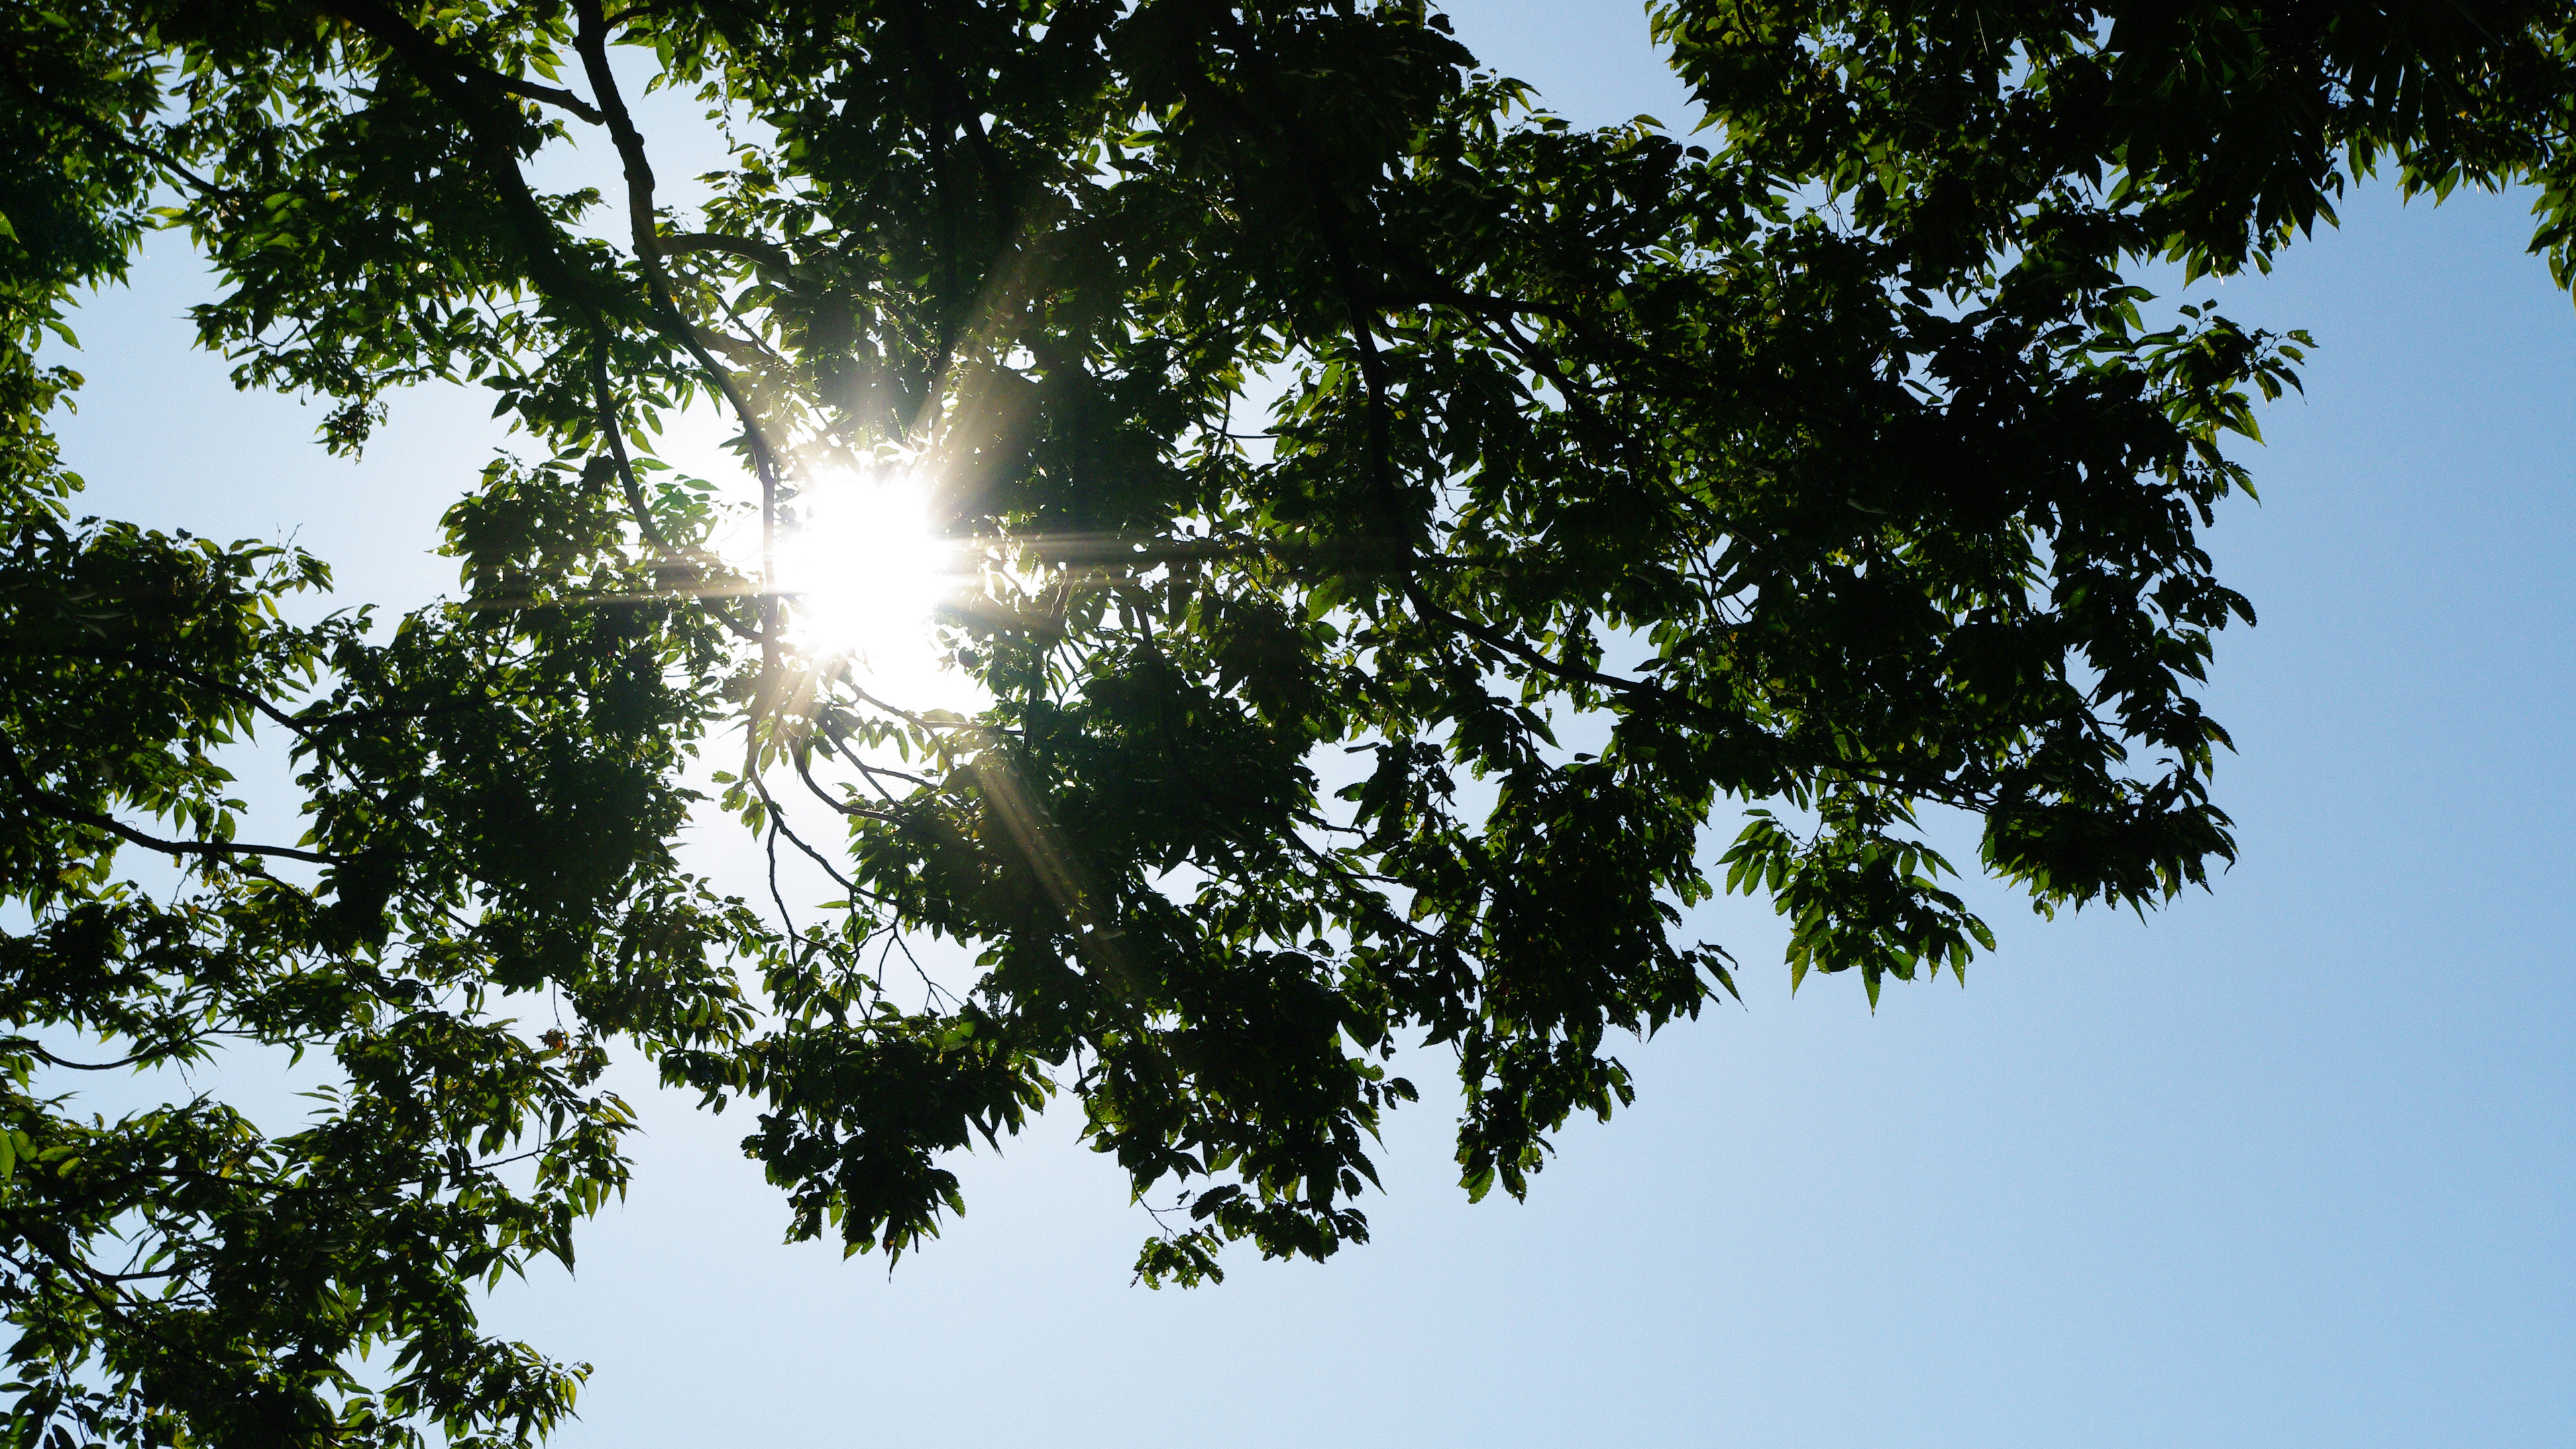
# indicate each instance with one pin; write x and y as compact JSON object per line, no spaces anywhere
{"x":1405,"y":534}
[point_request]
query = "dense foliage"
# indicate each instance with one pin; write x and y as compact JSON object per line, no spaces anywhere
{"x":1631,"y":519}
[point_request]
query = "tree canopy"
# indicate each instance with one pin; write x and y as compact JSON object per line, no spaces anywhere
{"x":1409,"y":549}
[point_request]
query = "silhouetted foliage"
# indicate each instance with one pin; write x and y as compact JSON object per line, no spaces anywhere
{"x":1608,"y":483}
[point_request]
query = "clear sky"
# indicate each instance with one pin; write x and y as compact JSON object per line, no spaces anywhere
{"x":2288,"y":1164}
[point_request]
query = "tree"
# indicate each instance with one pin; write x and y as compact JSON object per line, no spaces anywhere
{"x":1609,"y":483}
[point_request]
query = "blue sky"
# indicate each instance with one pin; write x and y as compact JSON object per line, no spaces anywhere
{"x":2287,"y":1164}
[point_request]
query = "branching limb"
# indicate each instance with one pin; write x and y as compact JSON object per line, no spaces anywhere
{"x":59,"y":809}
{"x":591,"y":40}
{"x":41,"y":801}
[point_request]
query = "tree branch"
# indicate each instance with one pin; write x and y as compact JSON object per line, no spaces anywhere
{"x":46,"y":803}
{"x":770,"y":255}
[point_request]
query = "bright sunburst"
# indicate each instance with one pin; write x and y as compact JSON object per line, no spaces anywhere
{"x":866,"y":573}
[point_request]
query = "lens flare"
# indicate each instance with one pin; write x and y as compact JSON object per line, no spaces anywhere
{"x":865,"y":574}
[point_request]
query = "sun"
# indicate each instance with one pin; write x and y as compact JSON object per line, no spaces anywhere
{"x":864,"y":573}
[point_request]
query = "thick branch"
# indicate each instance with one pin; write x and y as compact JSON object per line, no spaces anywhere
{"x":543,"y":95}
{"x":592,"y":41}
{"x":769,"y":255}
